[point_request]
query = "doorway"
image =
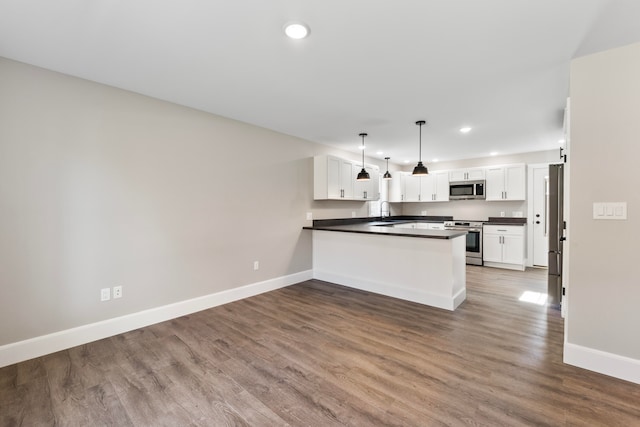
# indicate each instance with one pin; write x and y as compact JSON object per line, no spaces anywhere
{"x":538,"y":213}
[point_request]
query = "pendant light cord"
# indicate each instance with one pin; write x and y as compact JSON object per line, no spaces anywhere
{"x":420,"y":153}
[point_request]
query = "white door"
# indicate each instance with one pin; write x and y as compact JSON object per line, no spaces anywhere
{"x":540,"y":225}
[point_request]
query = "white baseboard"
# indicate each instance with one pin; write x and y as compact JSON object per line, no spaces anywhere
{"x":624,"y":368}
{"x":422,"y":297}
{"x":46,"y":344}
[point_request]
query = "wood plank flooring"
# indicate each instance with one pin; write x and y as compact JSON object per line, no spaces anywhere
{"x":318,"y":354}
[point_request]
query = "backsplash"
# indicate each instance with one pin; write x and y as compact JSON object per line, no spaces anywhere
{"x":479,"y":210}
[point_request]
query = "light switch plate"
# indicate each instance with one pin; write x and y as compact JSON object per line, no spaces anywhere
{"x":309,"y":216}
{"x":610,"y":210}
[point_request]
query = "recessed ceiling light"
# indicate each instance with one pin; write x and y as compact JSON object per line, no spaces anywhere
{"x":379,"y":153}
{"x":465,"y":129}
{"x":434,"y":160}
{"x":296,"y":30}
{"x":493,"y":153}
{"x":406,"y":161}
{"x":362,"y":147}
{"x":561,"y":141}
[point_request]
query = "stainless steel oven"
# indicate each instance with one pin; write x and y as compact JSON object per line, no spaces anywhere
{"x":474,"y":238}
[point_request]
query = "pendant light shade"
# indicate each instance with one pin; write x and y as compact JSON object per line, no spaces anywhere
{"x":363,"y":175}
{"x":387,"y":175}
{"x":420,"y":169}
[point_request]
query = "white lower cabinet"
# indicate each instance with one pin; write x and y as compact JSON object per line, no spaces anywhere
{"x":503,"y":246}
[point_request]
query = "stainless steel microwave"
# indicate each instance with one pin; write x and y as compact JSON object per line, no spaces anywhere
{"x":466,"y":190}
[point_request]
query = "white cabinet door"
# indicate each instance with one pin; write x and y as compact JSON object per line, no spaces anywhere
{"x":366,"y":190}
{"x":506,"y":182}
{"x":515,"y":182}
{"x":473,"y":174}
{"x":334,"y":182}
{"x":457,"y":175}
{"x":396,"y":188}
{"x":412,"y":188}
{"x":374,"y":186}
{"x":333,"y":178}
{"x":347,"y":179}
{"x":441,"y":187}
{"x":491,"y":248}
{"x":503,"y":246}
{"x":512,"y":249}
{"x":428,"y":188}
{"x":495,"y":183}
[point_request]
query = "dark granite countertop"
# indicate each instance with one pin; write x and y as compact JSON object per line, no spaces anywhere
{"x":386,"y":228}
{"x":499,"y":220}
{"x":386,"y":220}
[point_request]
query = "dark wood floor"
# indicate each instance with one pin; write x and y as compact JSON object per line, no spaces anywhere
{"x":317,"y":354}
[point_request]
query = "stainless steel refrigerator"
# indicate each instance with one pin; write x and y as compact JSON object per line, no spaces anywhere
{"x":556,"y":233}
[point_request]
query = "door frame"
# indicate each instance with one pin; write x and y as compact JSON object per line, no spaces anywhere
{"x":530,"y":213}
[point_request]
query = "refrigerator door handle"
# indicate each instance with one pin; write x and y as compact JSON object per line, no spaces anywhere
{"x":546,"y":209}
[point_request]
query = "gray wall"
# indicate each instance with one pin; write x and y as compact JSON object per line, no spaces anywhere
{"x":101,"y":187}
{"x":479,"y":209}
{"x":605,"y":124}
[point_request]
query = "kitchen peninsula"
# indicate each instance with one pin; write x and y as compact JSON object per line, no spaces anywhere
{"x":420,"y":265}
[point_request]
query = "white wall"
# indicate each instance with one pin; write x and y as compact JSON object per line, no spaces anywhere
{"x":604,"y":292}
{"x":101,"y":187}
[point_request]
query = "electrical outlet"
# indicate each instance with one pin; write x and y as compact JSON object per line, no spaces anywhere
{"x":309,"y":216}
{"x":256,"y":265}
{"x":117,"y":292}
{"x":423,"y":213}
{"x":353,"y":214}
{"x":501,"y":213}
{"x":105,"y":294}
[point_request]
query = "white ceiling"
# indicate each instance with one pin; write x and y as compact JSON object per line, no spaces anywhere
{"x":376,"y":66}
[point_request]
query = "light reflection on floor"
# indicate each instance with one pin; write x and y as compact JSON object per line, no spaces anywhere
{"x":538,"y":298}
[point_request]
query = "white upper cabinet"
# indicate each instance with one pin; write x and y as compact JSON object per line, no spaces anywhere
{"x":426,"y":188}
{"x":396,"y":188}
{"x":366,"y":190}
{"x":472,"y":174}
{"x":411,"y":188}
{"x":441,"y":186}
{"x":335,"y":179}
{"x":435,"y":187}
{"x":506,"y":182}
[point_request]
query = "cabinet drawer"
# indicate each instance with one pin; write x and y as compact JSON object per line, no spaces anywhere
{"x":504,"y":230}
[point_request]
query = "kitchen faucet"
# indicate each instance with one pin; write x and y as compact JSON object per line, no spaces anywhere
{"x":388,"y":210}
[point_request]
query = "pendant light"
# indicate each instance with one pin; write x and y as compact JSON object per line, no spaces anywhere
{"x":363,"y":175}
{"x":387,"y":175}
{"x":420,"y":169}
